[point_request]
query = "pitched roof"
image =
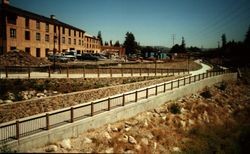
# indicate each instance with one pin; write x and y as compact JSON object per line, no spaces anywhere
{"x":20,"y":12}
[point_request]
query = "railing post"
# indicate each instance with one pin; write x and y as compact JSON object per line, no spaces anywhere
{"x":199,"y":77}
{"x":123,"y":100}
{"x":72,"y":114}
{"x":148,"y":71}
{"x":156,"y":90}
{"x":92,"y":109}
{"x":161,"y":71}
{"x":131,"y":70}
{"x":6,"y":71}
{"x":189,"y":79}
{"x":178,"y":83}
{"x":47,"y":121}
{"x":167,"y":72}
{"x":146,"y":92}
{"x":108,"y":104}
{"x":29,"y":71}
{"x":173,"y":71}
{"x":178,"y":71}
{"x":140,"y":71}
{"x":67,"y":71}
{"x":122,"y":71}
{"x":49,"y":72}
{"x":111,"y":72}
{"x":164,"y":87}
{"x":98,"y":71}
{"x":184,"y":81}
{"x":171,"y":85}
{"x":17,"y":130}
{"x":136,"y":96}
{"x":83,"y":71}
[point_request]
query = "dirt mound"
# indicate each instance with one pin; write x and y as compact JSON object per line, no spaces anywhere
{"x":20,"y":58}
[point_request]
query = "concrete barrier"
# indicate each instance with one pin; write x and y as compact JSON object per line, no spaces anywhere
{"x":128,"y":111}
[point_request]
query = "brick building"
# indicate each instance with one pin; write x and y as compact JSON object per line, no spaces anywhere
{"x":39,"y":35}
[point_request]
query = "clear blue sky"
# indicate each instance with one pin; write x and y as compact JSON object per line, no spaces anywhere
{"x":153,"y":22}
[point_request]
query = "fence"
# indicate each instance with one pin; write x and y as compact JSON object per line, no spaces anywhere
{"x":24,"y":127}
{"x":83,"y":72}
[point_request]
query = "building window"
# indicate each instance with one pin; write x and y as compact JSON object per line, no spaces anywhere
{"x":74,"y":33}
{"x":27,"y":23}
{"x":47,"y":27}
{"x":63,"y":40}
{"x":12,"y":48}
{"x":63,"y":30}
{"x":38,"y":36}
{"x":38,"y":52}
{"x":12,"y":19}
{"x":37,"y":25}
{"x":69,"y":32}
{"x":69,"y":40}
{"x":27,"y":50}
{"x":27,"y":35}
{"x":47,"y":38}
{"x":79,"y":34}
{"x":74,"y":41}
{"x":13,"y":33}
{"x":47,"y":52}
{"x":80,"y":42}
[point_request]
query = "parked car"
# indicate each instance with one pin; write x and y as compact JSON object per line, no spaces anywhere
{"x":58,"y":58}
{"x":71,"y":55}
{"x":101,"y":57}
{"x":87,"y":56}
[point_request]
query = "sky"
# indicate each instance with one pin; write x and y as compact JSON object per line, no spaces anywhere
{"x":153,"y":22}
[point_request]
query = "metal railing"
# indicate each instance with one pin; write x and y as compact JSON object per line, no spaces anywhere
{"x":68,"y":72}
{"x":24,"y":127}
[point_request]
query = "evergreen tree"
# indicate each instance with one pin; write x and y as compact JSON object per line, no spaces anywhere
{"x":247,"y":38}
{"x":224,"y":40}
{"x":117,"y":44}
{"x":99,"y":36}
{"x":130,"y":44}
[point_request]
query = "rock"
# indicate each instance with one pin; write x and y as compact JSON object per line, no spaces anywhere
{"x":157,"y":110}
{"x":11,"y":96}
{"x":149,"y":135}
{"x":45,"y":91}
{"x":66,"y":144}
{"x":124,"y":138}
{"x":25,"y":97}
{"x":155,"y":145}
{"x":132,"y":140}
{"x":51,"y":148}
{"x":127,"y":129}
{"x":115,"y":129}
{"x":145,"y":123}
{"x":144,"y":141}
{"x":109,"y":128}
{"x":55,"y":92}
{"x":190,"y":122}
{"x":87,"y":140}
{"x":109,"y":150}
{"x":129,"y":151}
{"x":8,"y":101}
{"x":1,"y":101}
{"x":132,"y":122}
{"x":107,"y":136}
{"x":40,"y":94}
{"x":138,"y":147}
{"x":183,"y":123}
{"x":176,"y":149}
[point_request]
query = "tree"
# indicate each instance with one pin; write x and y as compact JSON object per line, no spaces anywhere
{"x":223,"y":40}
{"x":247,"y":38}
{"x":183,"y":45}
{"x":110,"y":43}
{"x":106,"y":43}
{"x":130,"y":44}
{"x":117,"y":44}
{"x":99,"y":36}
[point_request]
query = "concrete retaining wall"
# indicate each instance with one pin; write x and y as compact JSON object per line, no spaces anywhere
{"x":128,"y":111}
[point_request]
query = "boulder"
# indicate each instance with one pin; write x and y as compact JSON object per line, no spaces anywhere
{"x":66,"y":144}
{"x":144,"y":141}
{"x":51,"y":148}
{"x":8,"y":101}
{"x":107,"y":136}
{"x":132,"y":140}
{"x":87,"y":140}
{"x":132,"y":122}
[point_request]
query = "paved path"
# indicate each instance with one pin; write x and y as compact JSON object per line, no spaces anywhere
{"x":204,"y":68}
{"x":57,"y":75}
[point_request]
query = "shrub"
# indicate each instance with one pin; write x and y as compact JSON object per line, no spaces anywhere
{"x":206,"y":94}
{"x":222,"y":86}
{"x":175,"y":108}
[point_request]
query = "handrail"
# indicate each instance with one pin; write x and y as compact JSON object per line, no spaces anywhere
{"x":5,"y":136}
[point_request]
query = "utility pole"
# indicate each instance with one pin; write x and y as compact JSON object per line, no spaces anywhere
{"x":173,"y":37}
